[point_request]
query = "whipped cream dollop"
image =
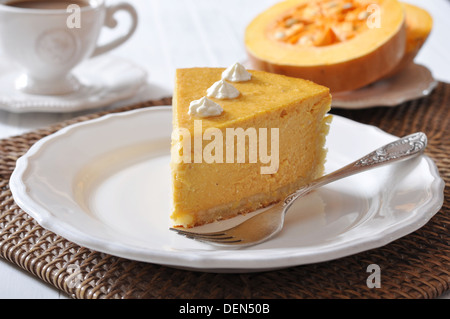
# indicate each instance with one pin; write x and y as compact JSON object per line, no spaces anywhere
{"x":204,"y":107}
{"x":222,"y":90}
{"x":236,"y":73}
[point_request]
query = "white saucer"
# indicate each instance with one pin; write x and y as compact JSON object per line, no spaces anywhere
{"x":105,"y":79}
{"x":414,"y":82}
{"x":105,"y":185}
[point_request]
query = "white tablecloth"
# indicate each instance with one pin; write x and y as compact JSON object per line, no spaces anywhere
{"x":189,"y":33}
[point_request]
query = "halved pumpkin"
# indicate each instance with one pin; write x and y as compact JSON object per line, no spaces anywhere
{"x":330,"y":42}
{"x":418,"y":27}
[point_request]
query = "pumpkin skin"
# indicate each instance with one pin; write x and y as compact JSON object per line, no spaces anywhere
{"x":343,"y":66}
{"x":419,"y":24}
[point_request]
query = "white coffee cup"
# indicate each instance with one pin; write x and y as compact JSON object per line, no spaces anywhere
{"x":48,"y":43}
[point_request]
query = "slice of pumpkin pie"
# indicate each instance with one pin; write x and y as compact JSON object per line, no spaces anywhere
{"x":243,"y":140}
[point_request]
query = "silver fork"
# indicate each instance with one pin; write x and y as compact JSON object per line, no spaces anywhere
{"x":268,"y":223}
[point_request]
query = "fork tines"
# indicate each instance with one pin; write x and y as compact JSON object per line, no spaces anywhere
{"x":216,"y":237}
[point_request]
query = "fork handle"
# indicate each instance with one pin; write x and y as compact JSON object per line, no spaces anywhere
{"x":402,"y":149}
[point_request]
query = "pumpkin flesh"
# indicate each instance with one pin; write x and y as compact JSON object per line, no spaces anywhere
{"x":328,"y":41}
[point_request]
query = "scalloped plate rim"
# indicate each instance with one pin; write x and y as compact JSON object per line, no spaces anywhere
{"x":210,"y":260}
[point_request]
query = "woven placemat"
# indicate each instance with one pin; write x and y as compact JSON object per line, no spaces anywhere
{"x":415,"y":266}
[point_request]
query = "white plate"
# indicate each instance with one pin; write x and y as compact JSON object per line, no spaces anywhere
{"x":414,"y":82}
{"x":104,"y":80}
{"x":104,"y":184}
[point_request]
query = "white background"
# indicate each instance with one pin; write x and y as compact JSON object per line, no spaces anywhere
{"x":190,"y":33}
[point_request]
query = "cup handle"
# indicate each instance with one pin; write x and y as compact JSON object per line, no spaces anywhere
{"x":111,"y":22}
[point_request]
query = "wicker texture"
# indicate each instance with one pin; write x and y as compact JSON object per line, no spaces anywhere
{"x":415,"y":266}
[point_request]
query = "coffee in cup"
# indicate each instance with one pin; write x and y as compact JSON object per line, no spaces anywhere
{"x":49,"y":4}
